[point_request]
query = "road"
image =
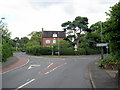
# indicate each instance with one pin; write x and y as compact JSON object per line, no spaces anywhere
{"x":50,"y":72}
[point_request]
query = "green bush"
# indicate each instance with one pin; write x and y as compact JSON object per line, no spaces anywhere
{"x":6,"y":51}
{"x":108,"y":60}
{"x":81,"y":51}
{"x":39,"y":50}
{"x":90,"y":51}
{"x":87,"y":51}
{"x":67,"y":51}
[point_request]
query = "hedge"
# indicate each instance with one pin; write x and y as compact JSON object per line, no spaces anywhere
{"x":39,"y":50}
{"x":67,"y":51}
{"x":6,"y":51}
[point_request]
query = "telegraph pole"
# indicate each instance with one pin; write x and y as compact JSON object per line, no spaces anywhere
{"x":101,"y":41}
{"x":58,"y":45}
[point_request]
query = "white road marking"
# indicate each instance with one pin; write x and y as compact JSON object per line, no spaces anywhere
{"x":25,"y":84}
{"x":54,"y":68}
{"x":31,"y":66}
{"x":49,"y":65}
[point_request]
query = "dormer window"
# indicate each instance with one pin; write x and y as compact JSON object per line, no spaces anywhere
{"x":54,"y":35}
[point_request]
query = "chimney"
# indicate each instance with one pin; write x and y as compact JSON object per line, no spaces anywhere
{"x":42,"y":29}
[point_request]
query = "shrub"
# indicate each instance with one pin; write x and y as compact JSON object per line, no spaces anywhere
{"x":90,"y":51}
{"x":81,"y":51}
{"x":87,"y":51}
{"x":108,"y":60}
{"x":6,"y":51}
{"x":38,"y":50}
{"x":67,"y":51}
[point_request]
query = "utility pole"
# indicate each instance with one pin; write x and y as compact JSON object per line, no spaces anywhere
{"x":52,"y":50}
{"x":58,"y":45}
{"x":101,"y":41}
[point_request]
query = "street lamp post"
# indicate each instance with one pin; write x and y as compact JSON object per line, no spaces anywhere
{"x":58,"y":45}
{"x":52,"y":50}
{"x":101,"y":41}
{"x":1,"y":19}
{"x":1,"y":26}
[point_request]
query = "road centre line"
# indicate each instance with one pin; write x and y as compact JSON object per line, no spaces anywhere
{"x":25,"y":84}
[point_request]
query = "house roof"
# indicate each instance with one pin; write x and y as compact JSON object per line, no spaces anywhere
{"x":49,"y":34}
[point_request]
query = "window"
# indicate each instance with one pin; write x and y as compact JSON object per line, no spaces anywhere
{"x":54,"y":35}
{"x":47,"y":41}
{"x":54,"y":41}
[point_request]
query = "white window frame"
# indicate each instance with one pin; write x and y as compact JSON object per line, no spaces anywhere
{"x":47,"y":41}
{"x":54,"y":35}
{"x":54,"y":41}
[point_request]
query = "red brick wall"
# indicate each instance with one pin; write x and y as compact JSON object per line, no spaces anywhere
{"x":51,"y":41}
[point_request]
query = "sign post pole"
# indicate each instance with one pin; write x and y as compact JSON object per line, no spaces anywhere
{"x":102,"y":45}
{"x":102,"y":52}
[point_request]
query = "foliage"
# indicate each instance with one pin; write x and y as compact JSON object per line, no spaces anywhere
{"x":108,"y":61}
{"x":112,"y":30}
{"x":19,"y":44}
{"x":6,"y":51}
{"x":81,"y":51}
{"x":36,"y":36}
{"x":67,"y":51}
{"x":38,"y":50}
{"x":6,"y":44}
{"x":62,"y":44}
{"x":78,"y":25}
{"x":88,"y":51}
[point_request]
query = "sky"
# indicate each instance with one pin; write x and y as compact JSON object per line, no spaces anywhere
{"x":24,"y":16}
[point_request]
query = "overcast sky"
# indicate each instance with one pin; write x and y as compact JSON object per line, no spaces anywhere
{"x":25,"y":16}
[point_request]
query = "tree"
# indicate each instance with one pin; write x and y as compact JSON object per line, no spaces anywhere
{"x":76,"y":26}
{"x":112,"y":30}
{"x":36,"y":37}
{"x":6,"y":44}
{"x":62,"y":44}
{"x":23,"y":42}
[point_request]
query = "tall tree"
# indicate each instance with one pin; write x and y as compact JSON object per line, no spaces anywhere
{"x":77,"y":26}
{"x":6,"y":44}
{"x":112,"y":30}
{"x":36,"y":37}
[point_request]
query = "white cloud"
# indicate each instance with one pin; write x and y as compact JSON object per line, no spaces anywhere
{"x":25,"y":16}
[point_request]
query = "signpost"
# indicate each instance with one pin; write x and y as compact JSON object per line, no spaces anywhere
{"x":75,"y":47}
{"x":102,"y":45}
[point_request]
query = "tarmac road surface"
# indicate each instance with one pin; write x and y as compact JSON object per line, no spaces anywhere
{"x":50,"y":72}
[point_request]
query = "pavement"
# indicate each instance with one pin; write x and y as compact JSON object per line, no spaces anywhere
{"x":101,"y":78}
{"x":13,"y":63}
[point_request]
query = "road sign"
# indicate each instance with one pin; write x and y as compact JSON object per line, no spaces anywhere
{"x":101,"y":44}
{"x":75,"y":46}
{"x":75,"y":49}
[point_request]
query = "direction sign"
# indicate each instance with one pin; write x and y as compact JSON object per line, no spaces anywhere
{"x":101,"y":44}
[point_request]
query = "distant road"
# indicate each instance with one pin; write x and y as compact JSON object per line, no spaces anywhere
{"x":50,"y":72}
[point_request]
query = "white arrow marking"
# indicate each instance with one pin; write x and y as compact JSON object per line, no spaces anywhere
{"x":31,"y":66}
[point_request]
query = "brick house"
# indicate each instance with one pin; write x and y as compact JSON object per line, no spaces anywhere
{"x":51,"y":37}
